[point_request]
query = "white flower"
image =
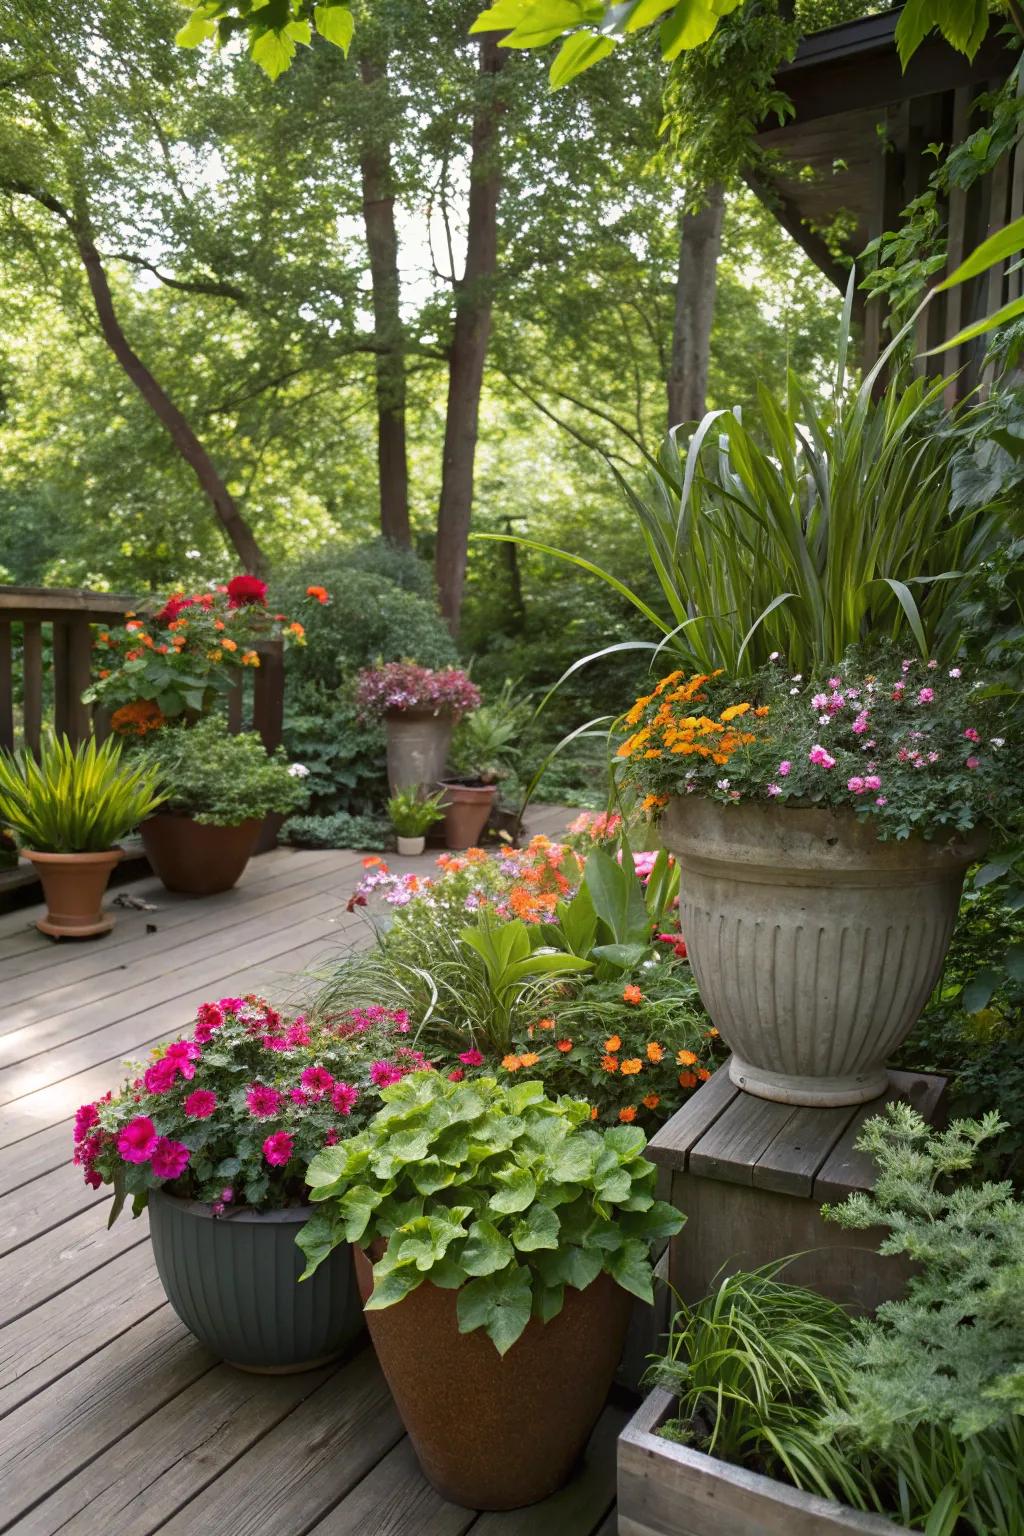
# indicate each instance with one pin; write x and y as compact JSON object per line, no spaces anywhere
{"x":998,"y":741}
{"x":722,"y":784}
{"x":774,"y":656}
{"x":954,"y":671}
{"x":824,"y":719}
{"x":298,"y":771}
{"x":793,"y":692}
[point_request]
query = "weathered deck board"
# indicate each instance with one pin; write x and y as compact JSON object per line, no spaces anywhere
{"x":113,"y":1417}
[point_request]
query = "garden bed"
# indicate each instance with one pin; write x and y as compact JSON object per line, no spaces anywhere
{"x":667,"y":1489}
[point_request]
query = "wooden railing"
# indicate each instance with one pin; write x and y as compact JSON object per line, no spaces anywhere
{"x":46,"y":650}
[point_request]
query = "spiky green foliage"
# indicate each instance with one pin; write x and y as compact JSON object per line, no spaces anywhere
{"x":74,"y":799}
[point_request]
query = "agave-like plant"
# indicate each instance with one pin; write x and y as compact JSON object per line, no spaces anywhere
{"x":804,"y":530}
{"x":75,"y":799}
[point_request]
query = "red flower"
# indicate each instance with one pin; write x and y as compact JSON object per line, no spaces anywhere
{"x":171,"y":609}
{"x":246,"y":590}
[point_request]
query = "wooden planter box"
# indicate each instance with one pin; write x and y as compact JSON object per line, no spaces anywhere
{"x":670,"y":1490}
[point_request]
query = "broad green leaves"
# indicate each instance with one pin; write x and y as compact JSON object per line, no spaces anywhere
{"x":492,"y":1190}
{"x":336,"y":24}
{"x":274,"y":28}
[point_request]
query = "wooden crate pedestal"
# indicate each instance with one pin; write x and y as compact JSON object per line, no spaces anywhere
{"x":750,"y":1175}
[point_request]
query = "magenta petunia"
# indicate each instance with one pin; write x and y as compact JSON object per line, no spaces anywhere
{"x":277,"y":1149}
{"x":136,"y":1142}
{"x":344,"y":1098}
{"x":161,"y":1076}
{"x":456,"y":1076}
{"x":170,"y":1158}
{"x":317,"y":1081}
{"x":200,"y":1105}
{"x":262,"y":1101}
{"x":475,"y":1058}
{"x":85,"y":1118}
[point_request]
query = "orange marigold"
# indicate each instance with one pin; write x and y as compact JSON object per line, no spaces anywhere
{"x":609,"y":1063}
{"x":545,"y":1023}
{"x":511,"y":1063}
{"x":320,"y":593}
{"x":654,"y":1051}
{"x":627,"y":1114}
{"x":613,"y":1043}
{"x":685,"y":1058}
{"x":565,"y":1046}
{"x":651,"y":1100}
{"x":632,"y":994}
{"x":593,"y":1112}
{"x":137,"y":719}
{"x":687,"y":1080}
{"x":703,"y":1074}
{"x":631,"y":1066}
{"x":228,"y":644}
{"x":529,"y":1060}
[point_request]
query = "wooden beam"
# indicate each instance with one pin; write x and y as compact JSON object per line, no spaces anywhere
{"x":811,"y":243}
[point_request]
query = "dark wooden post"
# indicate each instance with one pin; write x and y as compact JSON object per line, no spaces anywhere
{"x":6,"y":689}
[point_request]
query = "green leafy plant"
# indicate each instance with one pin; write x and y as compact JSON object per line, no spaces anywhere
{"x":611,"y":918}
{"x":497,"y":1192}
{"x":412,"y":817}
{"x":485,"y":743}
{"x":506,"y":963}
{"x":75,"y":799}
{"x":338,"y":830}
{"x":218,"y":778}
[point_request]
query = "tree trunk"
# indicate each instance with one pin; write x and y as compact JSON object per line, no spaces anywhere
{"x":389,"y":362}
{"x":235,"y":528}
{"x":700,"y":240}
{"x":473,"y":306}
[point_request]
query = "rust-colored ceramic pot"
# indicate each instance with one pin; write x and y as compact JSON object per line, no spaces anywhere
{"x":196,"y":859}
{"x":495,"y":1432}
{"x":466,"y":809}
{"x":73,"y":885}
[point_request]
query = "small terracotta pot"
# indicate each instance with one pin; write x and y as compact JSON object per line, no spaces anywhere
{"x":495,"y":1432}
{"x":466,"y":809}
{"x":196,"y":859}
{"x":73,"y":885}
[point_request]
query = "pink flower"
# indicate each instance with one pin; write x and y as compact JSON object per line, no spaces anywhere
{"x":170,"y":1158}
{"x":217,"y":1208}
{"x":298,"y":1034}
{"x":855,"y":785}
{"x":275,"y":1043}
{"x":298,"y":1096}
{"x":277,"y":1149}
{"x":229,"y":1004}
{"x":92,"y":1178}
{"x":344,"y":1098}
{"x":819,"y":701}
{"x":227,"y":1194}
{"x":262,"y":1101}
{"x":136,"y":1142}
{"x":86,"y":1118}
{"x":384,"y":1072}
{"x":955,"y":672}
{"x":456,"y":1076}
{"x":835,"y":682}
{"x":971,"y":734}
{"x":820,"y":758}
{"x":973,"y":762}
{"x":932,"y":665}
{"x":160,"y":1077}
{"x":860,"y":725}
{"x":208,"y":1018}
{"x":773,"y":790}
{"x":475,"y":1058}
{"x":332,"y":1138}
{"x":881,"y":800}
{"x":317,"y":1081}
{"x":184,"y":1054}
{"x":784,"y":768}
{"x":200,"y":1105}
{"x":925,"y":695}
{"x":872,"y":781}
{"x":905,"y":665}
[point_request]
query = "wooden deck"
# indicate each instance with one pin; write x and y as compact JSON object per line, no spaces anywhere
{"x":115,"y":1422}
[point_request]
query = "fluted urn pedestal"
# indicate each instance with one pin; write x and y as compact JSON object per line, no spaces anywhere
{"x":814,"y":945}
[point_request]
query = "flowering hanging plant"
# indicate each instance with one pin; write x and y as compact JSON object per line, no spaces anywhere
{"x":233,"y":1113}
{"x":398,"y":686}
{"x":911,"y":744}
{"x":183,"y":656}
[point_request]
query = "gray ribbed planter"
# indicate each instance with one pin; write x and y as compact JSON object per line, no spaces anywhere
{"x":233,"y":1281}
{"x":814,"y":946}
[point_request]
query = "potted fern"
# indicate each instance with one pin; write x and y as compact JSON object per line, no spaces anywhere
{"x":412,"y":818}
{"x":68,"y":811}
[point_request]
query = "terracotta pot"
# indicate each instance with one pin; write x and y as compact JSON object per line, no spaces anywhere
{"x":197,"y":859}
{"x":418,"y":744}
{"x":410,"y":847}
{"x":493,"y":1432}
{"x":234,"y":1282}
{"x":815,"y":946}
{"x":73,"y":886}
{"x":466,"y":809}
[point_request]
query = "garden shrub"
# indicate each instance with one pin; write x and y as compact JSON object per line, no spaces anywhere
{"x":339,"y":830}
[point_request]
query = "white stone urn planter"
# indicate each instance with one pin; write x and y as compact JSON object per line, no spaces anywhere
{"x":417,"y":751}
{"x":814,"y":945}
